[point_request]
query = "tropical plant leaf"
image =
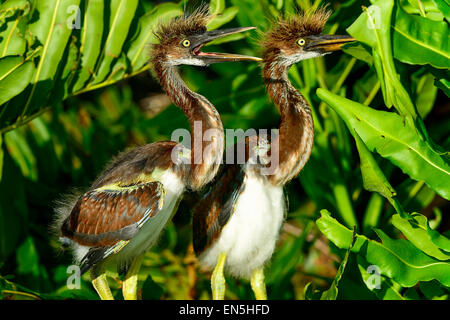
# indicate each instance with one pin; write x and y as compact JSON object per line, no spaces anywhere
{"x":418,"y":40}
{"x":415,"y":230}
{"x":383,"y":287}
{"x":91,"y":41}
{"x":396,"y":259}
{"x":12,"y":40}
{"x":391,"y":137}
{"x":373,"y":178}
{"x":332,"y":292}
{"x":15,"y":75}
{"x":137,"y":53}
{"x":373,"y":27}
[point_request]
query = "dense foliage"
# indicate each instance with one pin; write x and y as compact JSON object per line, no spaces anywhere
{"x":368,"y":216}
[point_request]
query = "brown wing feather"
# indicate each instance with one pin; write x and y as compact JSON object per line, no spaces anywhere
{"x":102,"y":217}
{"x":213,"y":211}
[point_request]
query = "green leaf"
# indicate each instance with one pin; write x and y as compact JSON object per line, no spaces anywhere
{"x":222,"y":19}
{"x":12,"y":38}
{"x":444,"y":7}
{"x":425,"y":95}
{"x":151,"y":290}
{"x":383,"y":287}
{"x":332,"y":292}
{"x":439,"y":240}
{"x":373,"y":178}
{"x":391,"y":137}
{"x":396,"y":259}
{"x":417,"y":40}
{"x":27,"y":258}
{"x":1,"y":157}
{"x":432,"y":290}
{"x":137,"y":54}
{"x":15,"y":75}
{"x":122,"y":12}
{"x":91,"y":41}
{"x":416,"y":231}
{"x":52,"y":32}
{"x":373,"y":27}
{"x":216,"y":6}
{"x":21,"y":153}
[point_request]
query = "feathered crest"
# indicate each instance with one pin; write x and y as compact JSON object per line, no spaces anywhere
{"x":185,"y":25}
{"x":304,"y":24}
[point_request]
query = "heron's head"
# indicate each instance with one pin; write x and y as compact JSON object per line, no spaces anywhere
{"x":300,"y":37}
{"x":181,"y":41}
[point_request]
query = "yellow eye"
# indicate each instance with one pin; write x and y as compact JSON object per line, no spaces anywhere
{"x":186,"y":43}
{"x":301,"y":42}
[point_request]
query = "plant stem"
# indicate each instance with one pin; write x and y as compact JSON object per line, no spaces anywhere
{"x":344,"y":205}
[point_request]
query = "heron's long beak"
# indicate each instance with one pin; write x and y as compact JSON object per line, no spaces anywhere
{"x":213,"y":57}
{"x":326,"y":43}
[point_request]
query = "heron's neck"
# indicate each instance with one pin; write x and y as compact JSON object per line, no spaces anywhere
{"x":296,"y":132}
{"x":207,"y":134}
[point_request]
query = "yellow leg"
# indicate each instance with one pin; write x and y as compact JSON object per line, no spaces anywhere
{"x":100,"y":283}
{"x":218,"y":280}
{"x":258,"y":285}
{"x":130,"y":284}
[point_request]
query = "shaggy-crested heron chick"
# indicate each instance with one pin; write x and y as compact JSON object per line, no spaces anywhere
{"x":237,"y":223}
{"x":123,"y":213}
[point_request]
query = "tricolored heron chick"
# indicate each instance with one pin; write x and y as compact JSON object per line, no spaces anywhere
{"x":237,"y":223}
{"x":122,"y":214}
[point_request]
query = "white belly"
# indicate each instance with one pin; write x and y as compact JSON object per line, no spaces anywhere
{"x":250,"y":236}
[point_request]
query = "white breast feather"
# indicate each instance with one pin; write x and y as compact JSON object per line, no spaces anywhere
{"x":250,"y":236}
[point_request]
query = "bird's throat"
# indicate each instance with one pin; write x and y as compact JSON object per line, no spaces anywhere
{"x":207,"y":134}
{"x":296,"y":133}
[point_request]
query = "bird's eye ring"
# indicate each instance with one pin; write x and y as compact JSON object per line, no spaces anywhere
{"x":186,"y":43}
{"x":301,"y":42}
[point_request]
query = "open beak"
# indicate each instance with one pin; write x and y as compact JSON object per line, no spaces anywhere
{"x":213,"y":57}
{"x":326,"y":43}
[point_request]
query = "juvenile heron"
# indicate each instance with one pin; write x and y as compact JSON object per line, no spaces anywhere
{"x":236,"y":224}
{"x":122,"y":214}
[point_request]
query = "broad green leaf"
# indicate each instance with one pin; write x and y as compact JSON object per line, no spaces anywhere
{"x":28,"y":258}
{"x":18,"y":148}
{"x":391,"y":137}
{"x":15,"y":75}
{"x":373,"y":178}
{"x":12,"y":38}
{"x":444,"y":7}
{"x":396,"y":259}
{"x":1,"y":157}
{"x":52,"y":32}
{"x":417,"y":40}
{"x":423,"y":8}
{"x":441,"y":241}
{"x":216,"y":6}
{"x":373,"y":27}
{"x":416,"y":231}
{"x":432,"y":290}
{"x":223,"y":18}
{"x":332,"y":292}
{"x":122,"y":12}
{"x":425,"y":95}
{"x":442,"y":80}
{"x":137,"y":54}
{"x":91,"y":41}
{"x":383,"y":287}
